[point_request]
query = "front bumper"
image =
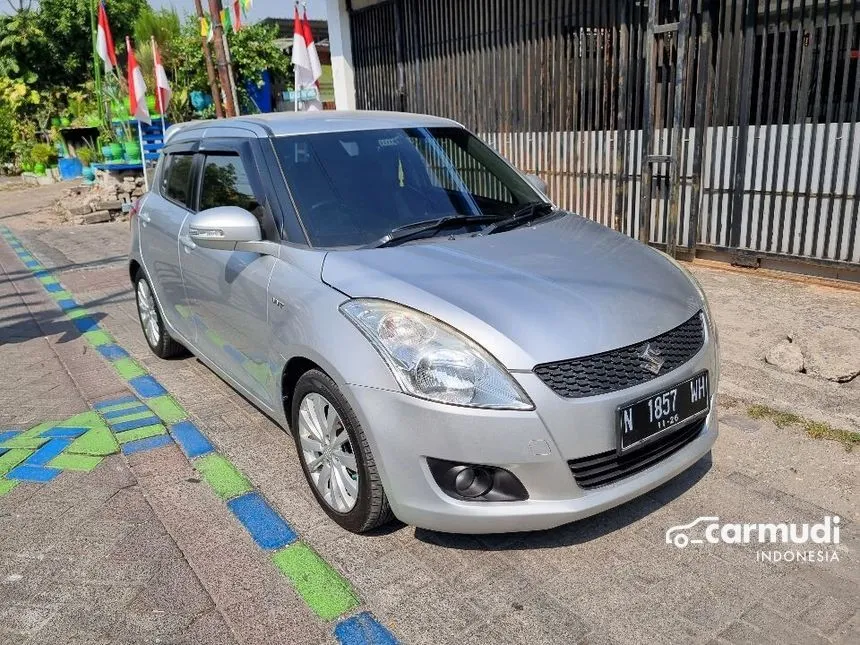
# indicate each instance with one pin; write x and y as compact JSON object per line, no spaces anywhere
{"x":535,"y":446}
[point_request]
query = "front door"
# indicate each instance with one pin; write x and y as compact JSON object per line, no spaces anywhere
{"x":160,"y":221}
{"x":227,"y":290}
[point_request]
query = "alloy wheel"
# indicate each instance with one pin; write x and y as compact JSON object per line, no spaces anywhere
{"x":148,"y":314}
{"x":328,"y":453}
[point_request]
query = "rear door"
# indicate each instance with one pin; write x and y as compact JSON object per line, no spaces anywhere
{"x":227,"y":290}
{"x":161,"y":219}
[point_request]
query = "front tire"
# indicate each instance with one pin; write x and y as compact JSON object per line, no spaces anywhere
{"x":335,"y":455}
{"x":151,"y":322}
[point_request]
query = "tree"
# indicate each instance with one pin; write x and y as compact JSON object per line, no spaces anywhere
{"x":53,"y":42}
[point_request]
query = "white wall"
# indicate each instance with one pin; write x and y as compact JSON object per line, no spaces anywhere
{"x":341,"y":54}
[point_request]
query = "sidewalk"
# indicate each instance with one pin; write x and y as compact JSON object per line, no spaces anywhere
{"x":83,"y":558}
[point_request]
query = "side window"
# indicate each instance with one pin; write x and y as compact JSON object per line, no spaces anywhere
{"x":176,"y":179}
{"x":225,"y":183}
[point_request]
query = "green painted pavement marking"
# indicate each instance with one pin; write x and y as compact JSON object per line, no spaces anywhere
{"x":222,"y":476}
{"x":12,"y":458}
{"x":120,"y":406}
{"x":98,"y":337}
{"x":61,"y":295}
{"x":141,"y":433}
{"x":78,"y":312}
{"x":97,"y":442}
{"x":131,"y":417}
{"x":89,"y":419}
{"x":35,"y":431}
{"x":128,"y":368}
{"x":27,"y":443}
{"x":48,"y":279}
{"x":167,"y":408}
{"x":82,"y":463}
{"x":6,"y":485}
{"x":325,"y":591}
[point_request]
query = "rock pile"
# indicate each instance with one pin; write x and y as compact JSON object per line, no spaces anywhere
{"x":107,"y":200}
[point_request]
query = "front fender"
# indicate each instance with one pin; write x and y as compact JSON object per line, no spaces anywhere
{"x":305,"y":323}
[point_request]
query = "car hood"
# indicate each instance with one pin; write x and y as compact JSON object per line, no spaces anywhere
{"x":562,"y":289}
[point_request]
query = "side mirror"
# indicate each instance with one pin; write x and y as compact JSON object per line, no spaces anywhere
{"x":537,"y":183}
{"x":223,"y":228}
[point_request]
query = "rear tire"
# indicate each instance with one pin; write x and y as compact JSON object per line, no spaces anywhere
{"x":151,"y":322}
{"x":337,"y":457}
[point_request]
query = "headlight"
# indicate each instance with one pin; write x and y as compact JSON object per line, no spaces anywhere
{"x":433,"y":361}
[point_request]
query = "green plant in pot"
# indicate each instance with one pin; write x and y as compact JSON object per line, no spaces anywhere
{"x":132,"y":151}
{"x":42,"y":155}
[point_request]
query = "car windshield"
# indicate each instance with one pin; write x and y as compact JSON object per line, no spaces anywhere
{"x":354,"y":187}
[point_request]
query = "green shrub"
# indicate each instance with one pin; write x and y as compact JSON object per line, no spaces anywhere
{"x":43,"y":153}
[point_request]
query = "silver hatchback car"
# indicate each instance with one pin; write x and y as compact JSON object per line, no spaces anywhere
{"x":445,"y":346}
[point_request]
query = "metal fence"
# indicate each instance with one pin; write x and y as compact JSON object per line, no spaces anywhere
{"x":699,"y":124}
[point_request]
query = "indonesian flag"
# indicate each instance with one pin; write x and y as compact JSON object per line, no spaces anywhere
{"x":301,"y":56}
{"x":136,"y":88}
{"x":316,"y":68}
{"x":162,"y":87}
{"x":104,"y":41}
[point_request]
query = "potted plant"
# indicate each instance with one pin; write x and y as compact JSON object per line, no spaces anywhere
{"x":42,"y":154}
{"x":132,"y":150}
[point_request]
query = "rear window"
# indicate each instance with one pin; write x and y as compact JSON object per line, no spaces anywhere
{"x":176,"y":183}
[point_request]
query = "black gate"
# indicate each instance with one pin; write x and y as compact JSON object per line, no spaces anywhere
{"x":694,"y":124}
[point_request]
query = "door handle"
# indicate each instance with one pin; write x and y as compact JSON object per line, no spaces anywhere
{"x":144,"y":217}
{"x":187,"y":243}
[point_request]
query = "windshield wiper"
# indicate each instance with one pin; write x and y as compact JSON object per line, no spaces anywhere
{"x":417,"y":229}
{"x":522,"y":215}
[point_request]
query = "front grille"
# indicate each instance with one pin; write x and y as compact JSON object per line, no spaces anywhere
{"x":622,"y":368}
{"x":607,"y":467}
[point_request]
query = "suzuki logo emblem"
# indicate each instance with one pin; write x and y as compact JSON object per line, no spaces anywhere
{"x":653,"y":359}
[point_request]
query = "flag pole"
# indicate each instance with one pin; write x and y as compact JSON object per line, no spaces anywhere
{"x":158,"y":99}
{"x":97,"y":72}
{"x":142,"y":155}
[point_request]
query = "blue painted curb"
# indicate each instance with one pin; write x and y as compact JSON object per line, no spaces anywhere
{"x":268,"y":529}
{"x":363,"y":629}
{"x":190,"y":439}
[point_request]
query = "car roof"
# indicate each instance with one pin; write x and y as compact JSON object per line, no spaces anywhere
{"x":278,"y":124}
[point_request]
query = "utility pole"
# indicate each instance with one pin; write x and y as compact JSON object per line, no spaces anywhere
{"x":221,"y":58}
{"x":210,"y":70}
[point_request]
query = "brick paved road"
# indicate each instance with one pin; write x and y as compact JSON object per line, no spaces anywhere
{"x":608,"y":579}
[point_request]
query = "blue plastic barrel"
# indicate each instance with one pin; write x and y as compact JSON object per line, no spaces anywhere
{"x":70,"y":168}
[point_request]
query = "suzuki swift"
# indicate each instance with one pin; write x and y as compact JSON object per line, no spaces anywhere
{"x":444,"y":344}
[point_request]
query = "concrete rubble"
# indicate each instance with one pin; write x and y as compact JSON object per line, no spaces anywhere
{"x":108,"y":199}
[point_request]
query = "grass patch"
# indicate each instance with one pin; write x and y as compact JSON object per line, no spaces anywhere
{"x":813,"y":429}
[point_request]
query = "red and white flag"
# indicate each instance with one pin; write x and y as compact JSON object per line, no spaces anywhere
{"x":301,"y":57}
{"x":313,"y":57}
{"x":162,"y":87}
{"x":136,"y":88}
{"x":104,"y":41}
{"x":237,"y":16}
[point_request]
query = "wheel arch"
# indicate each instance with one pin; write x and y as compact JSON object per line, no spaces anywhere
{"x":133,"y":267}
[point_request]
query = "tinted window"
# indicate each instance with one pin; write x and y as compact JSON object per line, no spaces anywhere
{"x":225,"y":183}
{"x":176,"y":183}
{"x":351,"y":188}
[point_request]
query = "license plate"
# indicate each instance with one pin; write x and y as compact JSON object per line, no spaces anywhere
{"x":658,"y":413}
